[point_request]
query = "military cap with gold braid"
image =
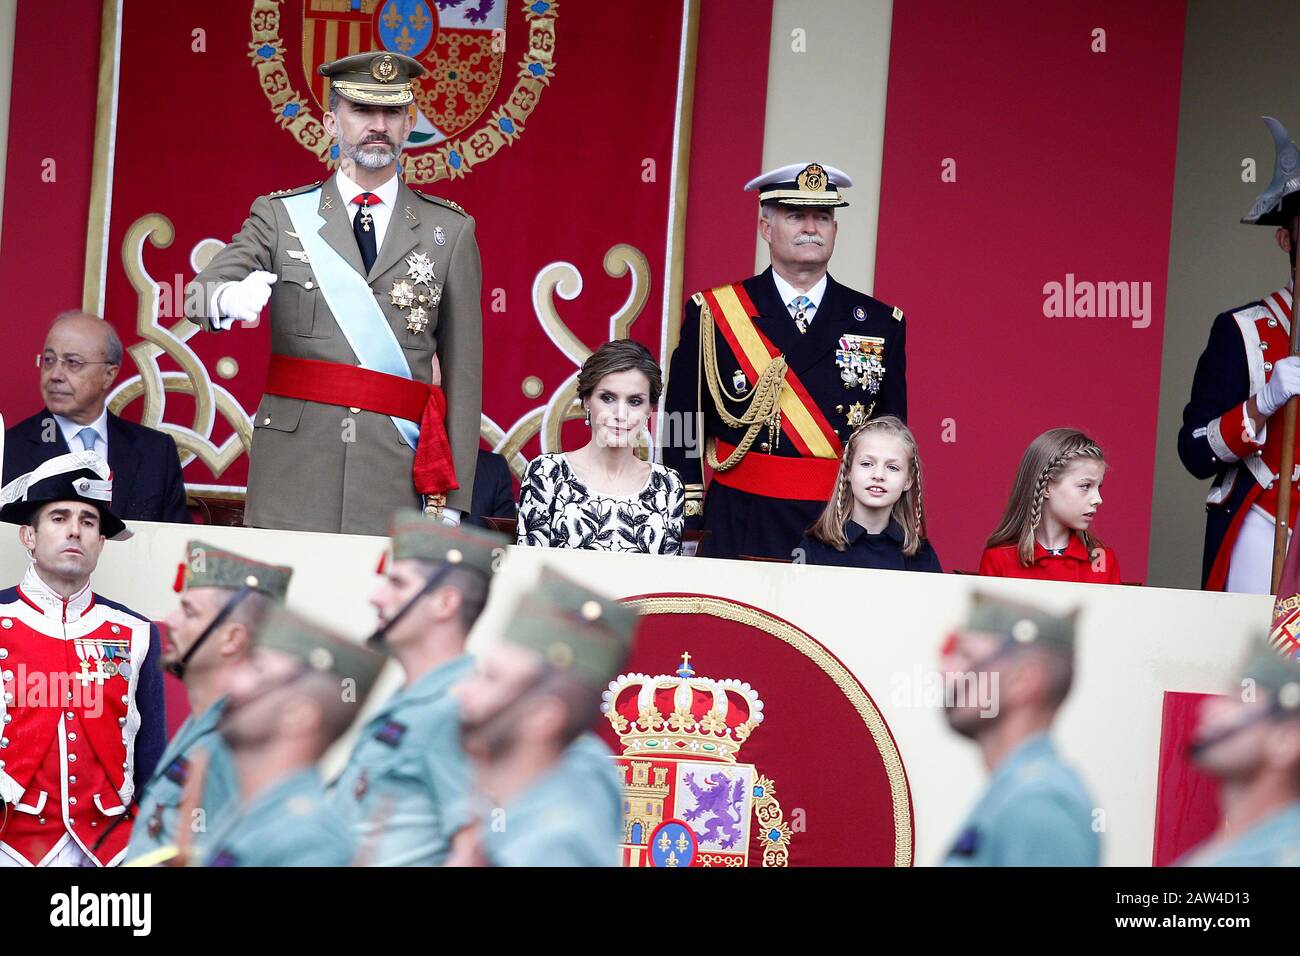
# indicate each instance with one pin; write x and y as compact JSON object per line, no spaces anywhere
{"x":377,"y":78}
{"x":421,"y":538}
{"x":321,"y":649}
{"x":1275,"y":673}
{"x":207,"y":566}
{"x":1022,"y":623}
{"x":574,"y":628}
{"x":802,"y":184}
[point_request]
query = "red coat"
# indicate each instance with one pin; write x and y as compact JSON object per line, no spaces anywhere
{"x":1074,"y":565}
{"x":70,"y":671}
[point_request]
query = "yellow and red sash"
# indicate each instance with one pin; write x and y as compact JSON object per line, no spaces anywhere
{"x":802,"y":420}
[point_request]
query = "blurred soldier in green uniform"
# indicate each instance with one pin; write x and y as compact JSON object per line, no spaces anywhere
{"x":405,"y":787}
{"x":547,"y":793}
{"x":1007,"y":671}
{"x":224,"y":599}
{"x":298,"y":692}
{"x":1250,"y":740}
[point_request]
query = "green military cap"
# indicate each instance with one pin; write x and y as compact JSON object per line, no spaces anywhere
{"x":421,"y":538}
{"x":1274,"y":672}
{"x":1023,"y":623}
{"x":207,"y":566}
{"x":321,"y":649}
{"x":377,"y":78}
{"x":574,"y":628}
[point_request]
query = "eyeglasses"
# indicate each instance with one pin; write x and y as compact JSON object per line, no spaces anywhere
{"x":71,"y":363}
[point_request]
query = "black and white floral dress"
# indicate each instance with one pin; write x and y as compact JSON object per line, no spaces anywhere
{"x":556,"y":510}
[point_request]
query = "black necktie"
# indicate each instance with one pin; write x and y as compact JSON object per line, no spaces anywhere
{"x":363,"y":227}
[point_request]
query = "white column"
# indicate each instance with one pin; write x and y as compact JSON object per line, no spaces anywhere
{"x":826,"y":104}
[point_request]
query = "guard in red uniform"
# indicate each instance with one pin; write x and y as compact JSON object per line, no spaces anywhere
{"x":1245,"y":376}
{"x":82,"y":707}
{"x":773,"y":373}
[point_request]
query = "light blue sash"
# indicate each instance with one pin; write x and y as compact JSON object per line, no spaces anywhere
{"x":349,"y":297}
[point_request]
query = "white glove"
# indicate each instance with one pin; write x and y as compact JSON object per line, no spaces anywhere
{"x":245,"y":299}
{"x":451,"y":517}
{"x":1282,"y":384}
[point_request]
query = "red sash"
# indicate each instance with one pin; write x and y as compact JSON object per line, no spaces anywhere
{"x":331,"y":383}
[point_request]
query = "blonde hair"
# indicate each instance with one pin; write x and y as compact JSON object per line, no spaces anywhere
{"x":908,"y":510}
{"x":1044,"y":460}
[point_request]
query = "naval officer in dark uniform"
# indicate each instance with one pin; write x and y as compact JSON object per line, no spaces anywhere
{"x":772,"y":374}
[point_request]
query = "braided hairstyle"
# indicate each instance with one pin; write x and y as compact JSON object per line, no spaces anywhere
{"x":908,"y":510}
{"x":1044,"y":461}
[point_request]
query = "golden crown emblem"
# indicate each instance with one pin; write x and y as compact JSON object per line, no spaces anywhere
{"x":682,"y":714}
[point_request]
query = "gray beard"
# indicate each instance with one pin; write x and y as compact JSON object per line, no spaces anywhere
{"x":369,"y":160}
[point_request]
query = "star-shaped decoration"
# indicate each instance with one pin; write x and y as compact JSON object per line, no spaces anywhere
{"x":420,"y":268}
{"x":416,"y":320}
{"x":402,"y":294}
{"x":857,"y":415}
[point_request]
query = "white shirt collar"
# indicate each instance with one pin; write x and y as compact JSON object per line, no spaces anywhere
{"x":787,"y":292}
{"x":70,"y":428}
{"x":50,"y":601}
{"x":349,"y":190}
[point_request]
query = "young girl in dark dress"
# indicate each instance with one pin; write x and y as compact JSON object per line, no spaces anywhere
{"x":876,"y":518}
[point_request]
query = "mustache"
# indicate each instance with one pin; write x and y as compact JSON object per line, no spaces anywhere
{"x":376,"y":139}
{"x":808,"y":240}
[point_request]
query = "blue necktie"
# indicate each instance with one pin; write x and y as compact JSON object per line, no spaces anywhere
{"x":88,"y":436}
{"x":800,"y":306}
{"x":363,"y":227}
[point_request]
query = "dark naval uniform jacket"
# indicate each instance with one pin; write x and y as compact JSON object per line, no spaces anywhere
{"x":764,"y":504}
{"x":305,"y":474}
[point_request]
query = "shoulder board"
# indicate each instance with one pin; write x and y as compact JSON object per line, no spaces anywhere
{"x":698,"y":298}
{"x":293,"y":192}
{"x":439,"y":201}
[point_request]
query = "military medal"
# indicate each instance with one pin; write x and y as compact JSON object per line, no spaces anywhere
{"x":420,"y":268}
{"x":402,"y":294}
{"x":739,"y":383}
{"x":407,"y":293}
{"x":861,"y":361}
{"x":857,"y":415}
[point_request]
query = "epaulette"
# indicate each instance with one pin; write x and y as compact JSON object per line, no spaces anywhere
{"x":438,"y":200}
{"x":293,"y":192}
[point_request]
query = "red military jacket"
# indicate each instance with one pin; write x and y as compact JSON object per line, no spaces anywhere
{"x":69,"y":720}
{"x":1265,"y":330}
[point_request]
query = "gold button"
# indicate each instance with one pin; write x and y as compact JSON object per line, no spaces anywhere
{"x":309,"y":284}
{"x":765,"y":446}
{"x":424,"y":298}
{"x":354,"y":410}
{"x":839,"y":409}
{"x":266,"y":420}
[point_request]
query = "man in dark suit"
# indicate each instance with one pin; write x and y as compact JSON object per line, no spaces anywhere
{"x":81,"y":360}
{"x":494,"y":490}
{"x":772,"y":375}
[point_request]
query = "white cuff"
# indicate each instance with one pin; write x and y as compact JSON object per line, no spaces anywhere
{"x":218,"y":322}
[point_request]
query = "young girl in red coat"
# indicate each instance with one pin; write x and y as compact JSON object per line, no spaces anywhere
{"x":1046,"y":531}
